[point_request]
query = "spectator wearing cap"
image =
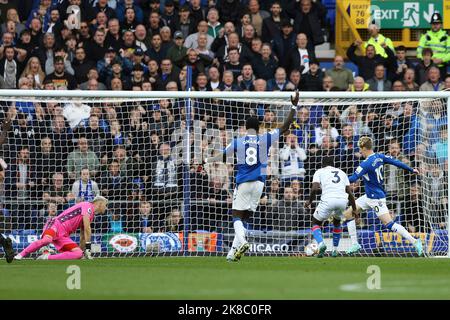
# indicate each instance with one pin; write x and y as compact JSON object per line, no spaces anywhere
{"x":313,"y":79}
{"x":178,"y":52}
{"x":437,"y":40}
{"x":342,"y":77}
{"x":214,"y":25}
{"x":185,"y":23}
{"x":434,"y":82}
{"x":230,"y":11}
{"x":191,"y":40}
{"x":280,"y":82}
{"x":379,"y":82}
{"x":137,"y":58}
{"x":102,"y":6}
{"x":123,"y":5}
{"x":308,"y":21}
{"x":60,"y":78}
{"x":271,"y":26}
{"x":300,"y":56}
{"x":257,"y":15}
{"x":265,"y":64}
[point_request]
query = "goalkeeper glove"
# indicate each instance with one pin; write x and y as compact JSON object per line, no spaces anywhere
{"x":87,"y":251}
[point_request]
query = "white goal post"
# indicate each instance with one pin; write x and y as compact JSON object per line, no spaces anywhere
{"x":133,"y":148}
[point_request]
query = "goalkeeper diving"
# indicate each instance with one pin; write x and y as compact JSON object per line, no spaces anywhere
{"x":58,"y":230}
{"x":371,"y":172}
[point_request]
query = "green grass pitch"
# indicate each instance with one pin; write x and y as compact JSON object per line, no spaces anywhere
{"x":214,"y":278}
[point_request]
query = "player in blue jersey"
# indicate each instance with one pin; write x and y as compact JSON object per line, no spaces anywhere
{"x":371,"y":171}
{"x":252,"y":154}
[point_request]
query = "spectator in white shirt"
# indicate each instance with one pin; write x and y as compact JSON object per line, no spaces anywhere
{"x":325,"y":129}
{"x":292,"y":158}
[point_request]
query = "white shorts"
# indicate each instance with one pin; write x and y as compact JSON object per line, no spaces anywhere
{"x":247,"y":195}
{"x":330,"y":208}
{"x":378,"y":205}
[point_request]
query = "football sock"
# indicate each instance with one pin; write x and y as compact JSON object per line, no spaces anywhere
{"x":68,"y":255}
{"x":35,"y":246}
{"x":234,"y":246}
{"x":398,"y":228}
{"x":317,"y":233}
{"x":239,"y":230}
{"x":337,"y":231}
{"x":351,"y":226}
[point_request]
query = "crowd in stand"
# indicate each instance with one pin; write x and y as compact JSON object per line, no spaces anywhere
{"x":61,"y":153}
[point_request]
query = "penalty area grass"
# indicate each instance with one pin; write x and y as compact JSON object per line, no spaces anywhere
{"x":213,"y":278}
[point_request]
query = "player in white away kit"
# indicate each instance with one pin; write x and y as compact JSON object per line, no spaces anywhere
{"x":252,"y":154}
{"x":336,"y":194}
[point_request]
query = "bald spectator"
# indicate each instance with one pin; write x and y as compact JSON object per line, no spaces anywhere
{"x":342,"y":77}
{"x":257,"y":15}
{"x":299,"y":56}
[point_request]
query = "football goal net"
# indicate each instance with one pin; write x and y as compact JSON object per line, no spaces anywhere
{"x":145,"y":152}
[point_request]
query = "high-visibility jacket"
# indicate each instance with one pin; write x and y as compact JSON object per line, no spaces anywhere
{"x":377,"y":44}
{"x":365,"y":88}
{"x":439,"y":42}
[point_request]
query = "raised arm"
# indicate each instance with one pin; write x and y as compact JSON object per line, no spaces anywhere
{"x":399,"y":164}
{"x":287,"y":123}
